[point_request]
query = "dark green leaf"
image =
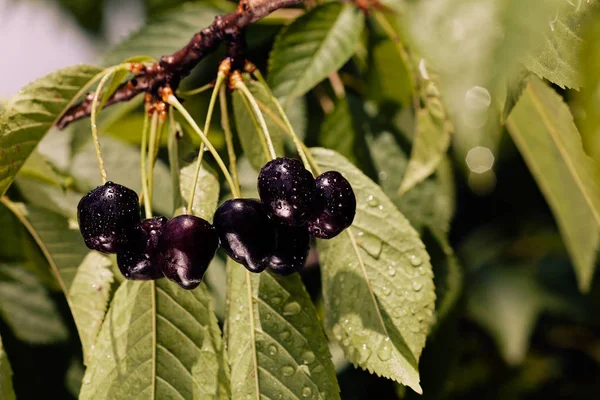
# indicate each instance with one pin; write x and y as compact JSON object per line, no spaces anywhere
{"x":381,"y":261}
{"x":27,"y":308}
{"x":166,"y":33}
{"x":275,"y":340}
{"x":32,"y":112}
{"x":542,"y":127}
{"x":312,"y":47}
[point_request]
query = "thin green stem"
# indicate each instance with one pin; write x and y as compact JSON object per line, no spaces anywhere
{"x":304,"y":155}
{"x":240,"y":85}
{"x":172,"y":100}
{"x":93,"y":118}
{"x":152,"y":142}
{"x":199,"y":90}
{"x":143,"y":167}
{"x":211,"y":108}
{"x":228,"y":135}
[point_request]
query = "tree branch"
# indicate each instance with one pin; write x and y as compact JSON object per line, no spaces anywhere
{"x":171,"y":69}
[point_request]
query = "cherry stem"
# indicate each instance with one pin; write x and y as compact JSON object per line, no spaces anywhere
{"x":240,"y":85}
{"x":211,"y":108}
{"x":228,"y":135}
{"x":154,"y":127}
{"x":172,"y":100}
{"x":144,"y":171}
{"x":199,"y":90}
{"x":94,"y":115}
{"x":304,"y":155}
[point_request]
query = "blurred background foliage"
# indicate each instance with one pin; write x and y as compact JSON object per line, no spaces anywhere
{"x":498,"y":214}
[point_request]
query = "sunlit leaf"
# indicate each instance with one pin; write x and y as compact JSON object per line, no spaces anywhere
{"x":158,"y":341}
{"x":249,"y":132}
{"x":275,"y":341}
{"x":166,"y":33}
{"x":27,"y":308}
{"x":313,"y":46}
{"x":542,"y":127}
{"x":6,"y":386}
{"x":89,"y":293}
{"x":381,"y":260}
{"x":31,"y":113}
{"x":557,"y":57}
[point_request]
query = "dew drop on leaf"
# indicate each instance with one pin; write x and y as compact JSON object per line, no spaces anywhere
{"x":415,"y":260}
{"x":309,"y":357}
{"x":292,"y":308}
{"x":272,"y":350}
{"x":417,"y":286}
{"x":287,"y":370}
{"x":306,"y":392}
{"x":385,"y":350}
{"x":372,"y":201}
{"x":285,"y":334}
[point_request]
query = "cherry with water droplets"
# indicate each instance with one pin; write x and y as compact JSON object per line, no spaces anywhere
{"x":186,"y":247}
{"x":335,"y":207}
{"x":287,"y":191}
{"x":292,"y":248}
{"x":246,"y":233}
{"x":107,"y":216}
{"x":139,"y":260}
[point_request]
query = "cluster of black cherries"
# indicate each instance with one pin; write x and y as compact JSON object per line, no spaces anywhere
{"x":273,"y":232}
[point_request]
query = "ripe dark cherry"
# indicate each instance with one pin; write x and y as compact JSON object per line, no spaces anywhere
{"x":107,"y":215}
{"x":287,"y":191}
{"x":290,"y":255}
{"x":139,"y":260}
{"x":247,"y":234}
{"x":335,"y":206}
{"x":186,"y":247}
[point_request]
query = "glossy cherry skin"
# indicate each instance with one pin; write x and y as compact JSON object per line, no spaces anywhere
{"x":186,"y":247}
{"x":287,"y":191}
{"x":246,"y":233}
{"x":107,"y":216}
{"x":290,"y":255}
{"x":139,"y":260}
{"x":335,"y":206}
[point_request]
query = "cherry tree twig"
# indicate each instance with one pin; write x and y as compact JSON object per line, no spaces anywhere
{"x":172,"y":68}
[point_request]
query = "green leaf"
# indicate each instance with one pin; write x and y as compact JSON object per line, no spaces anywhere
{"x":122,"y":162}
{"x":158,"y":341}
{"x":588,"y":98}
{"x":27,"y":308}
{"x":248,"y":130}
{"x":432,"y":138}
{"x":557,"y":57}
{"x":377,"y":282}
{"x":447,"y":275}
{"x":89,"y":293}
{"x":33,"y":111}
{"x":48,"y":196}
{"x":207,"y":191}
{"x":542,"y":127}
{"x":507,"y":303}
{"x":275,"y":341}
{"x":6,"y":386}
{"x":166,"y":33}
{"x":514,"y":89}
{"x":312,"y":47}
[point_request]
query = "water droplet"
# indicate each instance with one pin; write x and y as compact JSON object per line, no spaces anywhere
{"x":285,"y":334}
{"x":318,"y":369}
{"x":287,"y":370}
{"x":363,"y":353}
{"x":371,"y":244}
{"x":417,"y":286}
{"x":276,"y":300}
{"x":292,"y":308}
{"x":306,"y":392}
{"x":309,"y":357}
{"x":415,"y":260}
{"x":386,"y":290}
{"x":372,"y":201}
{"x":385,"y":350}
{"x":272,"y":350}
{"x":391,"y":270}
